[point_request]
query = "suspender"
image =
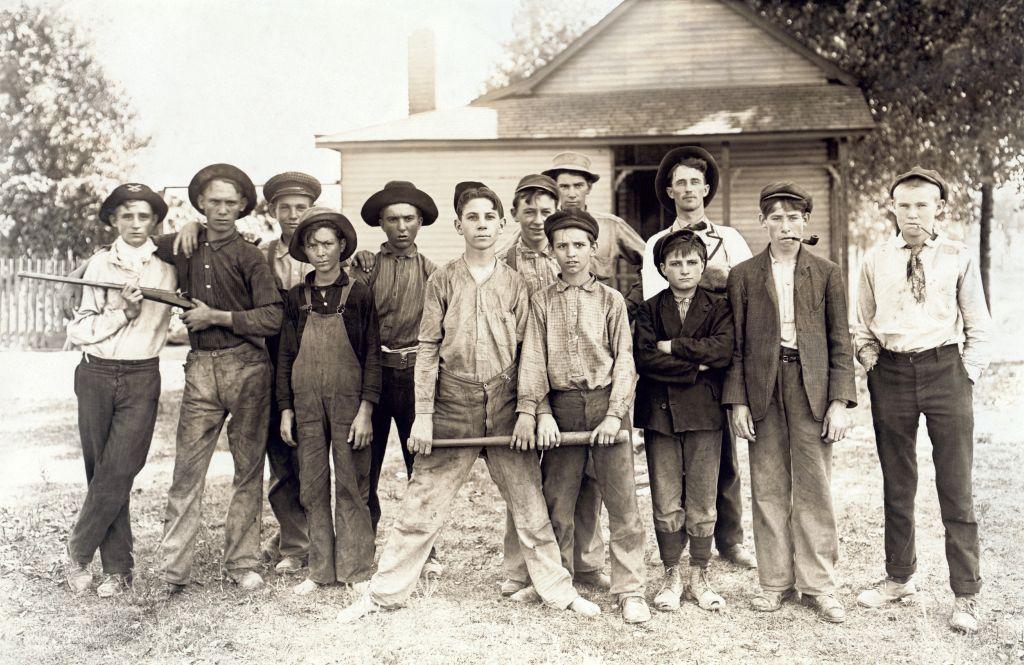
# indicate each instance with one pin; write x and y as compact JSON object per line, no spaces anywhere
{"x":272,"y":264}
{"x":345,"y":290}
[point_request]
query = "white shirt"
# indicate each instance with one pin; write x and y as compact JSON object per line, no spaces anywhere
{"x":782,"y":273}
{"x":101,"y":328}
{"x":287,"y":270}
{"x":734,"y":250}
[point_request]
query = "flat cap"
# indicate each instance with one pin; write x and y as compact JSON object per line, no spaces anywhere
{"x":291,"y":182}
{"x":399,"y":191}
{"x":923,"y":174}
{"x":340,"y":223}
{"x":132,"y":191}
{"x":570,"y":219}
{"x":467,"y":185}
{"x":786,"y":190}
{"x":686,"y":235}
{"x":460,"y":188}
{"x":574,"y":162}
{"x":538,"y":181}
{"x":222,"y":172}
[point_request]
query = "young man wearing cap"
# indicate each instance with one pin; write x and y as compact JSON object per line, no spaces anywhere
{"x":117,"y":384}
{"x":474,"y":316}
{"x":685,"y":184}
{"x":328,"y":382}
{"x":227,"y":373}
{"x":683,"y":343}
{"x":920,"y":300}
{"x":790,"y":384}
{"x":577,"y":374}
{"x":288,"y":196}
{"x":398,"y":279}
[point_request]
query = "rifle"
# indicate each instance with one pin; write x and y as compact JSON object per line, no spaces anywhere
{"x":566,"y":439}
{"x":172,"y":298}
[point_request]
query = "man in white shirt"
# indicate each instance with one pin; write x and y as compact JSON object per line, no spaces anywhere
{"x":920,"y":300}
{"x":685,"y":184}
{"x":117,"y":384}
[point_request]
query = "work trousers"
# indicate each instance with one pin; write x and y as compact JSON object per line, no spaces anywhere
{"x":684,"y":480}
{"x":470,"y":409}
{"x":398,"y":403}
{"x":293,"y":535}
{"x":562,"y":469}
{"x":933,"y":383}
{"x":233,"y":382}
{"x":790,"y":478}
{"x":729,"y":502}
{"x":117,"y":406}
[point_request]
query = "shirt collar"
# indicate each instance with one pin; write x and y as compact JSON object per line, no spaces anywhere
{"x":901,"y":242}
{"x":529,"y":253}
{"x":387,"y":250}
{"x":588,"y":285}
{"x":281,"y":249}
{"x":679,"y":224}
{"x":217,"y":244}
{"x":341,"y":281}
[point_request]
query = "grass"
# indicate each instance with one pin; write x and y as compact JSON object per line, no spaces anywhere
{"x":461,"y":617}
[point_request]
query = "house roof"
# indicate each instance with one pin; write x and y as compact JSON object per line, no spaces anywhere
{"x":690,"y":113}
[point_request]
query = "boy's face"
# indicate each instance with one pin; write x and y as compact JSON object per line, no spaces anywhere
{"x":573,"y":189}
{"x":785,"y":225}
{"x":287,"y":209}
{"x":917,"y":205}
{"x":688,"y":188}
{"x":133,"y":221}
{"x":221,"y":202}
{"x":400,"y":223}
{"x":479,"y":224}
{"x":573,"y":249}
{"x":531,"y":216}
{"x":683,"y":271}
{"x":323,"y":249}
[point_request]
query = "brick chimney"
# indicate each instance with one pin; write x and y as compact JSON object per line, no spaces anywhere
{"x":421,"y":71}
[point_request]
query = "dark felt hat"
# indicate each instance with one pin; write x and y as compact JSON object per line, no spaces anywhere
{"x":572,"y":218}
{"x":291,"y":182}
{"x":460,"y":188}
{"x":322,"y":213}
{"x":222,"y":172}
{"x":132,"y":191}
{"x":786,"y":190}
{"x":923,"y":174}
{"x":669,"y":161}
{"x":538,"y":181}
{"x":573,"y":162}
{"x":663,"y":242}
{"x":399,"y":191}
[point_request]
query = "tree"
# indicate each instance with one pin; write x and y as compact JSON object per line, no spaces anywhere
{"x":540,"y":31}
{"x":943,"y":79}
{"x":68,"y":132}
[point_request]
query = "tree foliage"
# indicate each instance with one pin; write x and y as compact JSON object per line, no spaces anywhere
{"x":67,"y":132}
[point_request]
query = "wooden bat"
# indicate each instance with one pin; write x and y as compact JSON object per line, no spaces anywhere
{"x":567,"y":439}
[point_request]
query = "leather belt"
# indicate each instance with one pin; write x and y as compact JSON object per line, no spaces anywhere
{"x":788,"y":355}
{"x":398,"y":359}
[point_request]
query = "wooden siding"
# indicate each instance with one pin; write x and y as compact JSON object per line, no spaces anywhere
{"x":436,"y":172}
{"x":680,"y":44}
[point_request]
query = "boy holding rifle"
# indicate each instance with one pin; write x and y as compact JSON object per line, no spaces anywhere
{"x":117,"y":384}
{"x":474,"y":316}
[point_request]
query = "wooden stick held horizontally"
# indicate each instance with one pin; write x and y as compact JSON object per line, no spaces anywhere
{"x":567,"y":439}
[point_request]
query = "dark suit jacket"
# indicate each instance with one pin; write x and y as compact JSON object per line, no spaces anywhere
{"x":672,"y":396}
{"x":822,"y":334}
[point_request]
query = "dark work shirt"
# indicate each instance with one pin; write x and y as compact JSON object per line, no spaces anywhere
{"x":230,"y":275}
{"x":360,"y":317}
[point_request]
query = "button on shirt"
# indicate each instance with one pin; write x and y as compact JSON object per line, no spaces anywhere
{"x":734,"y":250}
{"x":577,"y":338}
{"x":953,"y":311}
{"x":288,"y":271}
{"x":783,"y":276}
{"x":232,"y":275}
{"x":470,"y":330}
{"x":399,"y":283}
{"x":538,"y":269}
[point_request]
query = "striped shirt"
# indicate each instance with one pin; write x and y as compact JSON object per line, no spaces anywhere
{"x":399,"y":284}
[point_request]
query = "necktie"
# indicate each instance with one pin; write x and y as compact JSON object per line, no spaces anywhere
{"x":699,"y":226}
{"x":915,"y":273}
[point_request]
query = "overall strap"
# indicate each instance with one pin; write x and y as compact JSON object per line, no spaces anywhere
{"x":307,"y":292}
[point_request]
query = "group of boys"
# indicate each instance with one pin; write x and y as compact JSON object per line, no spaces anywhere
{"x":312,"y":361}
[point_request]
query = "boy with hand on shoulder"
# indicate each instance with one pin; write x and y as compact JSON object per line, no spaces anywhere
{"x":683,"y":343}
{"x":577,"y":374}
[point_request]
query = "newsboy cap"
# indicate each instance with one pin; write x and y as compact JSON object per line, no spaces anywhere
{"x":291,"y":182}
{"x":573,"y":162}
{"x":662,"y":181}
{"x":700,"y":249}
{"x":924,"y":174}
{"x":573,"y":218}
{"x":222,"y":172}
{"x":786,"y":190}
{"x":399,"y":191}
{"x":132,"y":191}
{"x":538,"y":181}
{"x":341,"y":225}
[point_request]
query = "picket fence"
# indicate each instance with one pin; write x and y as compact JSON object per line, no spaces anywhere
{"x":30,"y":311}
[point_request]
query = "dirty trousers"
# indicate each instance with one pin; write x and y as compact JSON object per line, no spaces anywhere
{"x":235,"y":382}
{"x":468,"y":409}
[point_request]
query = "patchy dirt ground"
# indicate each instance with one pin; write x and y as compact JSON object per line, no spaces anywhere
{"x":461,"y":617}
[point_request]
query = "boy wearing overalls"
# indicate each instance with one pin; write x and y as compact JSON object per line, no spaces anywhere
{"x":327,"y":384}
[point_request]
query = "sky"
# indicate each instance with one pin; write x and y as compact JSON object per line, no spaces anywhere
{"x":251,"y":82}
